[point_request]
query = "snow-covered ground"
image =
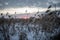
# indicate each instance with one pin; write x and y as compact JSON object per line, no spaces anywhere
{"x":28,"y":32}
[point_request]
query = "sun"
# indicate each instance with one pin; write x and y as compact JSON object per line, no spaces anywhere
{"x":25,"y":17}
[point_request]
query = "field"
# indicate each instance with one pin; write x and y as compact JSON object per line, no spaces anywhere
{"x":46,"y":27}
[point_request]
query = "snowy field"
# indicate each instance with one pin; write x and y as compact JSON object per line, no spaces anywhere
{"x":19,"y":31}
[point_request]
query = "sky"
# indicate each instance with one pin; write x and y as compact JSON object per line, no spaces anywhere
{"x":30,"y":5}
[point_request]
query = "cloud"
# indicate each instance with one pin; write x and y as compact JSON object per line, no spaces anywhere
{"x":30,"y":3}
{"x":6,"y":3}
{"x":58,"y":4}
{"x":1,"y":5}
